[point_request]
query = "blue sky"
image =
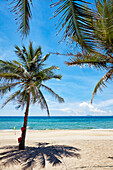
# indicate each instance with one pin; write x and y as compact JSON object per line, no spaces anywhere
{"x":77,"y":83}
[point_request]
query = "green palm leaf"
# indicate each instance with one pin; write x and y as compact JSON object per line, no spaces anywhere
{"x":90,"y":59}
{"x":44,"y":103}
{"x":22,"y":10}
{"x":9,"y":76}
{"x":76,"y":18}
{"x":45,"y":57}
{"x":12,"y":97}
{"x":60,"y":99}
{"x":96,"y":35}
{"x":102,"y":81}
{"x":7,"y":87}
{"x":20,"y":53}
{"x":97,"y":61}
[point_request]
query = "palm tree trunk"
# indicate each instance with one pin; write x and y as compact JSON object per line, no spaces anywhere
{"x":22,"y":142}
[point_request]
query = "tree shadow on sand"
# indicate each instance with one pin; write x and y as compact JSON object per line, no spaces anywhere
{"x":33,"y":156}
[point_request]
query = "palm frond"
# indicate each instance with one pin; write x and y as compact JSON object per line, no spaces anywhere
{"x":7,"y":87}
{"x":49,"y":70}
{"x":104,"y":25}
{"x":9,"y":76}
{"x":44,"y":102}
{"x":31,"y":50}
{"x":45,"y":58}
{"x":77,"y":19}
{"x":35,"y":60}
{"x":35,"y":93}
{"x":47,"y":74}
{"x":12,"y":97}
{"x":25,"y":52}
{"x":22,"y":10}
{"x":22,"y":67}
{"x":6,"y":66}
{"x":38,"y":51}
{"x":20,"y":53}
{"x":22,"y":98}
{"x":49,"y":77}
{"x":102,"y":81}
{"x":60,"y":99}
{"x":91,"y":59}
{"x":39,"y":98}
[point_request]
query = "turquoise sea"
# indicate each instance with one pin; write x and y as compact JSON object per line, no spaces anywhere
{"x":43,"y":123}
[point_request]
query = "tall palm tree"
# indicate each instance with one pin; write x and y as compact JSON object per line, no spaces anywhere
{"x":26,"y":78}
{"x":102,"y":57}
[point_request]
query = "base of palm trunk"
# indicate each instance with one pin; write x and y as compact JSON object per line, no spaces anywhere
{"x":22,"y":142}
{"x":22,"y":145}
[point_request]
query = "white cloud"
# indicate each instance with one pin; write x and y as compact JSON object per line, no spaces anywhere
{"x":91,"y":107}
{"x":64,"y":109}
{"x":79,"y":109}
{"x":85,"y":104}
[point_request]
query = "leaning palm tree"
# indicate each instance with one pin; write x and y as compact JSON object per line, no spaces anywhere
{"x":102,"y":56}
{"x":26,"y":79}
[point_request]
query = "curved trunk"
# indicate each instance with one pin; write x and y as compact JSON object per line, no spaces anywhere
{"x":23,"y":135}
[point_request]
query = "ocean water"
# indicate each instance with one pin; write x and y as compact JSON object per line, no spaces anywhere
{"x":43,"y":123}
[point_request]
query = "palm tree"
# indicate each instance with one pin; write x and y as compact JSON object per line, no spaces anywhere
{"x":102,"y":57}
{"x":26,"y":78}
{"x":91,"y":29}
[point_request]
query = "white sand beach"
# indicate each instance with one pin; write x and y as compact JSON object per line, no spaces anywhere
{"x":58,"y":150}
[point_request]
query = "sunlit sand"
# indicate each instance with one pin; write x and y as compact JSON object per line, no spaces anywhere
{"x":58,"y":150}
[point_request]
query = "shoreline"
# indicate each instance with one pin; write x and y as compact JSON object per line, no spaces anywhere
{"x":85,"y":134}
{"x":58,"y":129}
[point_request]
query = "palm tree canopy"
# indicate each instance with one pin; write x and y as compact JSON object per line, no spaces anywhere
{"x":28,"y":76}
{"x":102,"y":56}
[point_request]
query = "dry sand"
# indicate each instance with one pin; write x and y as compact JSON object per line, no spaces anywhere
{"x":65,"y":149}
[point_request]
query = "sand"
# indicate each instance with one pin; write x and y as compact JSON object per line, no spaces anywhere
{"x":57,"y":150}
